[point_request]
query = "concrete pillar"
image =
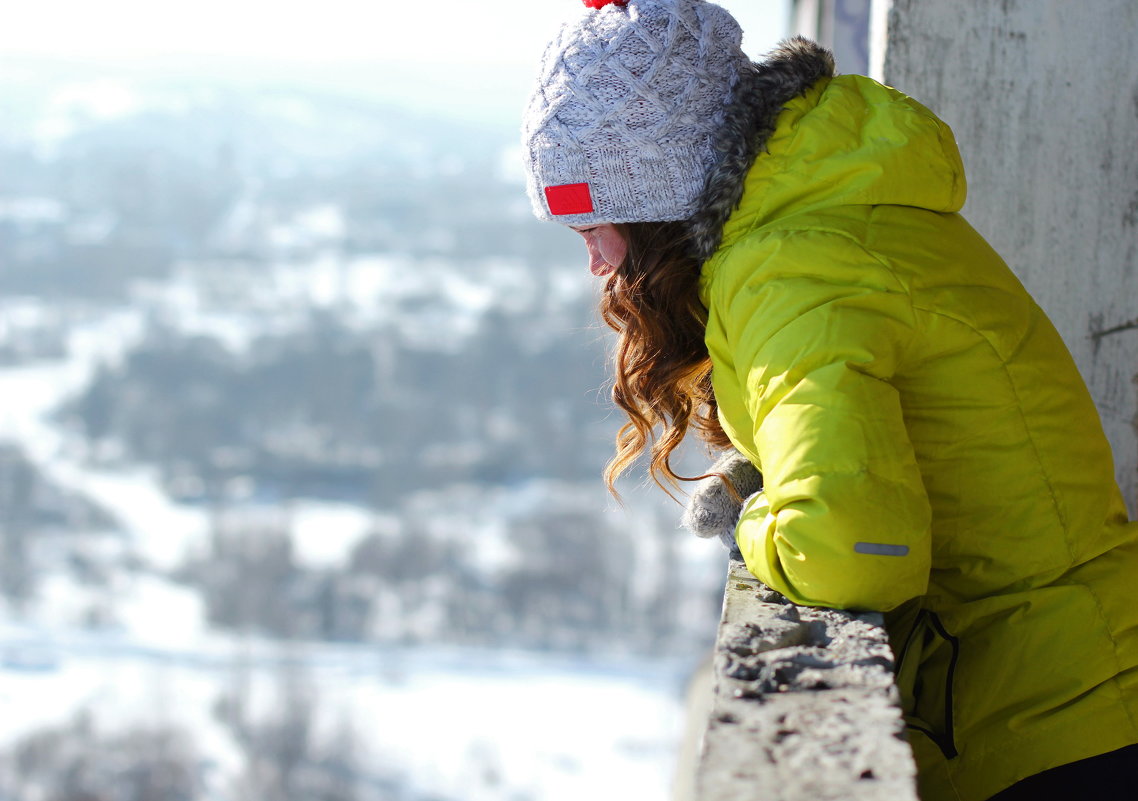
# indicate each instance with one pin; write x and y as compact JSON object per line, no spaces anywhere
{"x":840,"y":25}
{"x":1043,"y":97}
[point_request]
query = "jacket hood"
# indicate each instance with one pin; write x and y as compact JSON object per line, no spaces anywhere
{"x":818,"y":141}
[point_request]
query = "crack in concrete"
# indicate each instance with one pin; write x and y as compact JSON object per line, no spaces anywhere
{"x":1129,"y":325}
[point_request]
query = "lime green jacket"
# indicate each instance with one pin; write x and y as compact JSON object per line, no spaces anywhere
{"x":927,"y":445}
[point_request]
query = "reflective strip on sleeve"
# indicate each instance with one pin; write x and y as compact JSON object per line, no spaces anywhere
{"x":881,"y":549}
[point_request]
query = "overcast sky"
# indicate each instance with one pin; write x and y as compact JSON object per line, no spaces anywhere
{"x":461,"y":52}
{"x":453,"y":31}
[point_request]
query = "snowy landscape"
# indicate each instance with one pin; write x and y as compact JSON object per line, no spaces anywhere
{"x":302,"y":418}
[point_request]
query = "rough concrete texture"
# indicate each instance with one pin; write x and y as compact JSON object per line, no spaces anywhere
{"x":1043,"y":97}
{"x":805,"y":708}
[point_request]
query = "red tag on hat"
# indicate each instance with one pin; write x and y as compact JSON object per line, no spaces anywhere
{"x":569,"y":199}
{"x":603,"y":3}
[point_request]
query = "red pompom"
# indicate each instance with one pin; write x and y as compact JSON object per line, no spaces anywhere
{"x":603,"y":3}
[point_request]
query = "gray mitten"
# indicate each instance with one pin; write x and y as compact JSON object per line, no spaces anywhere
{"x":711,"y":511}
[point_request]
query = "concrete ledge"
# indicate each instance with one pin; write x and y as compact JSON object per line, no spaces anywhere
{"x":804,"y":706}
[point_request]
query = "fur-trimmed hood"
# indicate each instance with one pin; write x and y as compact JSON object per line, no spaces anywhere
{"x":787,"y":71}
{"x":800,"y":138}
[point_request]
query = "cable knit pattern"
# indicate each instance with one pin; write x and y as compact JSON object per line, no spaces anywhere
{"x":629,"y":100}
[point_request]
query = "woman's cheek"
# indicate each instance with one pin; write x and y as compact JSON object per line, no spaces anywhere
{"x":598,"y":265}
{"x":613,"y":247}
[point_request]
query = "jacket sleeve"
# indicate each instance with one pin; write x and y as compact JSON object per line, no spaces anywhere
{"x":843,"y":519}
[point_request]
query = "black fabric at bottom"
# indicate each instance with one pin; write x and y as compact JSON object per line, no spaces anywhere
{"x":1113,"y":775}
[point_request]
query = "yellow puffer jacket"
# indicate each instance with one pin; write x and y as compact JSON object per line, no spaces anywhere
{"x":928,"y":447}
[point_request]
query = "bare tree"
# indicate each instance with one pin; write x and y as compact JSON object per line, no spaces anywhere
{"x":74,"y":763}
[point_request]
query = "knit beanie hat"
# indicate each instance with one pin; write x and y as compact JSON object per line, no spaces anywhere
{"x":622,"y":126}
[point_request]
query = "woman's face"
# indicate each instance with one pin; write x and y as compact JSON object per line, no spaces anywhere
{"x":607,"y":247}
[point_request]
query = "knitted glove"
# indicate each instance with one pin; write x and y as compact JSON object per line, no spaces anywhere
{"x":711,"y":511}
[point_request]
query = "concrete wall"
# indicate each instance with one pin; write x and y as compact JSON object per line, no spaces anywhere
{"x":1043,"y":97}
{"x":804,"y":707}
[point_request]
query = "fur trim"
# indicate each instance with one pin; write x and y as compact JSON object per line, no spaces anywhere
{"x":786,"y":72}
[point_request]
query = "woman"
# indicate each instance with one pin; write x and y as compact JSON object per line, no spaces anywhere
{"x":789,"y":275}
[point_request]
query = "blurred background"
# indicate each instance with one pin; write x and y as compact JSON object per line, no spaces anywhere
{"x":302,"y":417}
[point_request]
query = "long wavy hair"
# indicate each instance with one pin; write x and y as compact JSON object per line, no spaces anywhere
{"x":661,"y":368}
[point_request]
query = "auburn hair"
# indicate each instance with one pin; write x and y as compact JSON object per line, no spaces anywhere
{"x":661,"y":368}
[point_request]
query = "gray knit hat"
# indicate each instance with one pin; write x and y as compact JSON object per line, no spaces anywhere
{"x":622,"y":124}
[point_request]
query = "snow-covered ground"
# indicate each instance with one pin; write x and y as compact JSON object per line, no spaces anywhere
{"x":235,"y":302}
{"x":470,"y":725}
{"x":476,"y":726}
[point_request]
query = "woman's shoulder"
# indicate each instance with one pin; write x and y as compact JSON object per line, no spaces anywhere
{"x":826,"y":246}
